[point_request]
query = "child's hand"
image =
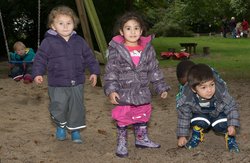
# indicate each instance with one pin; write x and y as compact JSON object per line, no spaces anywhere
{"x":182,"y":141}
{"x":93,"y":79}
{"x":164,"y":95}
{"x":38,"y":79}
{"x":113,"y":96}
{"x":231,"y":130}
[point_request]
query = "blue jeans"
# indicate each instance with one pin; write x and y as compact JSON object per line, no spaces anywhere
{"x":234,"y":33}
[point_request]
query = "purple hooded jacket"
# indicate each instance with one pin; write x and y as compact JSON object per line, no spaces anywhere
{"x":64,"y":61}
{"x":129,"y":81}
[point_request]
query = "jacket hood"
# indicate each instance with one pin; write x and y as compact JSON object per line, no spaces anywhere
{"x":52,"y":32}
{"x":143,"y":41}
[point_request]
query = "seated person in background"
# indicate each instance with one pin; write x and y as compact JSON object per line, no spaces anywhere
{"x":204,"y":103}
{"x":21,"y":62}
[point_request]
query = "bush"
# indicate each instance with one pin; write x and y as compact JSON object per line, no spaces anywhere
{"x":171,"y":30}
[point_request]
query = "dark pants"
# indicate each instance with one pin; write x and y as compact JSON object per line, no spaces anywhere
{"x":205,"y":121}
{"x":224,"y":32}
{"x":66,"y":106}
{"x":20,"y":69}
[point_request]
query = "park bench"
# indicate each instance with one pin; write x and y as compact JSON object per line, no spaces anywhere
{"x":189,"y":47}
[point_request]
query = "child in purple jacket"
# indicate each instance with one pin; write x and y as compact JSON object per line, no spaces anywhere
{"x":131,"y":67}
{"x":64,"y":55}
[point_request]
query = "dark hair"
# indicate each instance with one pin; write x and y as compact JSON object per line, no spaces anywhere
{"x":130,"y":16}
{"x":182,"y":69}
{"x":198,"y":74}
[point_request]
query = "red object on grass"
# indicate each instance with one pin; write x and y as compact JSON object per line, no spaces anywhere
{"x":167,"y":55}
{"x":180,"y":55}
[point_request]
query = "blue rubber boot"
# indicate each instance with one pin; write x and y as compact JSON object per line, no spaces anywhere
{"x":60,"y":133}
{"x":197,"y":137}
{"x":231,"y":144}
{"x":76,"y":137}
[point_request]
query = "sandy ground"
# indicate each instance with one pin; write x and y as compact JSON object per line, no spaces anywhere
{"x":27,"y":134}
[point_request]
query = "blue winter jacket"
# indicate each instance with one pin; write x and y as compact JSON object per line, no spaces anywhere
{"x":28,"y":57}
{"x":65,"y":61}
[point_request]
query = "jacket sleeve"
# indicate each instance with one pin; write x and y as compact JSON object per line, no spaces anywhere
{"x":41,"y":59}
{"x":231,"y":110}
{"x":230,"y":105}
{"x":155,"y":74}
{"x":12,"y":56}
{"x":111,"y":73}
{"x":91,"y":62}
{"x":183,"y":120}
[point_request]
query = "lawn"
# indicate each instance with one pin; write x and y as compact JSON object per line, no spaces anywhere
{"x":231,"y":57}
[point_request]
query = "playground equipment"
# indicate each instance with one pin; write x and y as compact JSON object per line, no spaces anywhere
{"x":5,"y":37}
{"x":86,"y":11}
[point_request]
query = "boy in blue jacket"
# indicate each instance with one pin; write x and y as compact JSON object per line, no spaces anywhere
{"x":21,"y":62}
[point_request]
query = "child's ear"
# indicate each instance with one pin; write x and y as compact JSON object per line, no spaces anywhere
{"x":193,"y":90}
{"x":121,"y":33}
{"x":53,"y":27}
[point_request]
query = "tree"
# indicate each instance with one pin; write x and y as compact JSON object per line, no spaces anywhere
{"x":181,"y":16}
{"x":165,"y":17}
{"x":241,"y":8}
{"x":20,"y":21}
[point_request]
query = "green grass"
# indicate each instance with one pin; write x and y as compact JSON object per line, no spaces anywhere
{"x":231,"y":57}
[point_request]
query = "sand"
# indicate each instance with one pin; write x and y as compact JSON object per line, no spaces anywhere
{"x":27,"y":134}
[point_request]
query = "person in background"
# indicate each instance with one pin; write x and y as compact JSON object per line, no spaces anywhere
{"x":232,"y":26}
{"x":224,"y":26}
{"x":245,"y":27}
{"x":131,"y":67}
{"x":182,"y":69}
{"x":65,"y":55}
{"x":21,"y":62}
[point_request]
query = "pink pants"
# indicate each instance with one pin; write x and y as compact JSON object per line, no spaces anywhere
{"x":127,"y":115}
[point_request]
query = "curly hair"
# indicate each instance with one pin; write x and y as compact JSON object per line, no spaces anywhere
{"x":62,"y":10}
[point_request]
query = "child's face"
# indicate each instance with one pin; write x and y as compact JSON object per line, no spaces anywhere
{"x":205,"y":90}
{"x":20,"y":50}
{"x":63,"y":25}
{"x":131,"y":32}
